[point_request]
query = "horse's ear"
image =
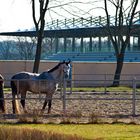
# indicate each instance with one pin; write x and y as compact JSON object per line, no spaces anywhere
{"x":69,"y":61}
{"x":61,"y":62}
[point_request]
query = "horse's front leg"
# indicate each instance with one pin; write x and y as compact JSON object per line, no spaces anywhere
{"x":22,"y":101}
{"x":49,"y":101}
{"x":49,"y":106}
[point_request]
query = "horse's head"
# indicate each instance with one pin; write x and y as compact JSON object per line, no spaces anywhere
{"x":61,"y":70}
{"x":65,"y":67}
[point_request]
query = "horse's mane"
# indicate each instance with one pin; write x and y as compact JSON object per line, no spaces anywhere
{"x":56,"y":67}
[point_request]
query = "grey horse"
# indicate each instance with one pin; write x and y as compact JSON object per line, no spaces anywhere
{"x":44,"y":83}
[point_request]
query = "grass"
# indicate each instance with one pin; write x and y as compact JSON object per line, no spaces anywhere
{"x":109,"y":89}
{"x":87,"y":131}
{"x":94,"y":89}
{"x":14,"y":133}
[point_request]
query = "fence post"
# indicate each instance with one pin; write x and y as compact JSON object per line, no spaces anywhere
{"x":105,"y":91}
{"x":61,"y":89}
{"x":17,"y":89}
{"x":134,"y":97}
{"x":39,"y":90}
{"x":64,"y":96}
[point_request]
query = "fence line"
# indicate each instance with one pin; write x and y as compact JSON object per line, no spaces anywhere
{"x":64,"y":93}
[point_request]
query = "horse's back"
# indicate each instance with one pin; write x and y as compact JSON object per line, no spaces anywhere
{"x":22,"y":79}
{"x":33,"y":82}
{"x":24,"y":75}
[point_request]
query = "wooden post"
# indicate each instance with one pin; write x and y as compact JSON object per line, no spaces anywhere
{"x":139,"y":16}
{"x":65,"y":22}
{"x":56,"y":45}
{"x":129,"y":46}
{"x":82,"y":21}
{"x":138,"y":42}
{"x":90,"y":21}
{"x":105,"y":84}
{"x":64,"y":96}
{"x":108,"y":44}
{"x":51,"y":45}
{"x":90,"y":44}
{"x":57,"y":23}
{"x":73,"y":22}
{"x":82,"y":49}
{"x":100,"y":44}
{"x":65,"y":44}
{"x":134,"y":98}
{"x":70,"y":78}
{"x":99,"y":20}
{"x":133,"y":43}
{"x":73,"y":44}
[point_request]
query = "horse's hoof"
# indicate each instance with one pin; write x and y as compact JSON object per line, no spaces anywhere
{"x":49,"y":112}
{"x":25,"y":111}
{"x":42,"y":112}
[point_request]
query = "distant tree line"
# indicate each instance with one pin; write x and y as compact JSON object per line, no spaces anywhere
{"x":22,"y":48}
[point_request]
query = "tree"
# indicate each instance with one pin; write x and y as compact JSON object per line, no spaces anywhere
{"x":7,"y":49}
{"x":25,"y":47}
{"x":124,"y":15}
{"x":40,"y":21}
{"x":39,"y":25}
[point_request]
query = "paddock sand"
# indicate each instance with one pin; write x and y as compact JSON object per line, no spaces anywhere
{"x":82,"y":110}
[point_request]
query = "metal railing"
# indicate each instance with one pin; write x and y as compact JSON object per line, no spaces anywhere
{"x":85,"y":22}
{"x":66,"y":93}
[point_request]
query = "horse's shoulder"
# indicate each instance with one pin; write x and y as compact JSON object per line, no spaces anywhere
{"x":45,"y":75}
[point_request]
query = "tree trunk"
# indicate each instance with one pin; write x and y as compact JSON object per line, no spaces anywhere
{"x":119,"y":66}
{"x":38,"y":53}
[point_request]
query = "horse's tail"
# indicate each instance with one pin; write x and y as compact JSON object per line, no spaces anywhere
{"x":2,"y":101}
{"x":15,"y":103}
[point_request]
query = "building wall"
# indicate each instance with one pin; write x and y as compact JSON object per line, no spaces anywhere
{"x":83,"y":73}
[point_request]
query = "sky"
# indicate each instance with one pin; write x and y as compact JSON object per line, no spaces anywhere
{"x":17,"y":14}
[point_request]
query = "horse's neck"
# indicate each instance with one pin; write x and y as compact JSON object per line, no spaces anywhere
{"x":57,"y":75}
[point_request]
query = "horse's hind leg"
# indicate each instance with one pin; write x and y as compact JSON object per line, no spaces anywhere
{"x":15,"y":105}
{"x":22,"y":101}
